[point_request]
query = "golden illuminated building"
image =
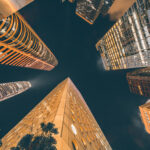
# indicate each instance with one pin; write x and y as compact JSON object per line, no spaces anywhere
{"x":139,"y":81}
{"x":145,"y":115}
{"x":21,"y":46}
{"x":8,"y":7}
{"x":8,"y":90}
{"x":66,"y":108}
{"x":127,"y":43}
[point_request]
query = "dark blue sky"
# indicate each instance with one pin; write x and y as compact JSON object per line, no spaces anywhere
{"x":72,"y":40}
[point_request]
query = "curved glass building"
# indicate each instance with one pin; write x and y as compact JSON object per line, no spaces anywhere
{"x":21,"y":46}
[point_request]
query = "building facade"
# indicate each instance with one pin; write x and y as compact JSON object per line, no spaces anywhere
{"x":66,"y":108}
{"x":127,"y":43}
{"x":89,"y":10}
{"x":145,"y":115}
{"x":21,"y":46}
{"x":139,"y":81}
{"x":118,"y":9}
{"x":106,"y":6}
{"x":8,"y":90}
{"x":8,"y":7}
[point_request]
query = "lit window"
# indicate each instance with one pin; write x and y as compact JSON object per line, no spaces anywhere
{"x":83,"y":141}
{"x":88,"y":139}
{"x":73,"y":118}
{"x":81,"y":129}
{"x":72,"y":111}
{"x":70,"y":94}
{"x":97,"y":135}
{"x":78,"y":120}
{"x":74,"y":129}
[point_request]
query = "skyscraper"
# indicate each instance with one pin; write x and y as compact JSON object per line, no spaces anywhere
{"x":106,"y":5}
{"x":21,"y":46}
{"x":139,"y":81}
{"x":8,"y":7}
{"x":11,"y":89}
{"x":66,"y":108}
{"x":88,"y":9}
{"x":127,"y":43}
{"x":145,"y":115}
{"x":118,"y":8}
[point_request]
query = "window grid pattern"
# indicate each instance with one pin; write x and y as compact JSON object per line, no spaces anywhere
{"x":11,"y":89}
{"x":21,"y":46}
{"x":139,"y":81}
{"x":127,"y":43}
{"x":45,"y":112}
{"x":89,"y":9}
{"x":89,"y":135}
{"x":66,"y":108}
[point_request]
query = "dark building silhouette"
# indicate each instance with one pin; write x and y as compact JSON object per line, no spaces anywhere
{"x":139,"y":81}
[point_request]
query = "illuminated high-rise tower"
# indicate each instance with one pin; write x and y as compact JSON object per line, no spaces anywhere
{"x":127,"y":43}
{"x":89,"y":10}
{"x":21,"y":46}
{"x":66,"y":108}
{"x":11,"y":89}
{"x":8,"y":7}
{"x":139,"y":81}
{"x":145,"y":115}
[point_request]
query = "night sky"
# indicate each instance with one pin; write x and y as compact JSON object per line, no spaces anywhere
{"x":72,"y":41}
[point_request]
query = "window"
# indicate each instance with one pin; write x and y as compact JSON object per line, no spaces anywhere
{"x":88,"y":139}
{"x":73,"y":118}
{"x":81,"y":129}
{"x":74,"y":129}
{"x":74,"y":145}
{"x":83,"y":141}
{"x":72,"y":111}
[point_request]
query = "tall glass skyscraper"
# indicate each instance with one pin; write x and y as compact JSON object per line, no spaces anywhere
{"x":66,"y":108}
{"x":11,"y":89}
{"x":21,"y":46}
{"x":106,"y":4}
{"x":89,"y":10}
{"x":127,"y":43}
